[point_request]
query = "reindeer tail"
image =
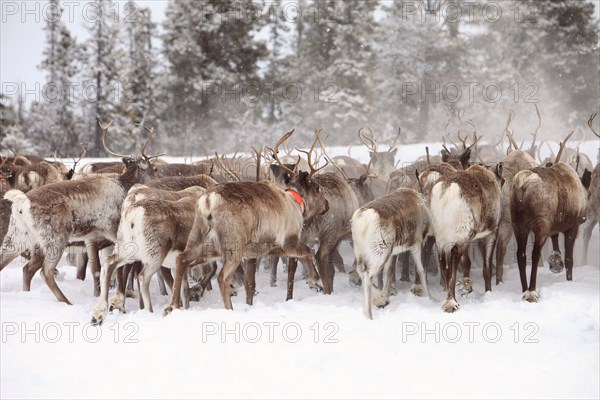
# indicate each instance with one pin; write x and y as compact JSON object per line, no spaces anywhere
{"x":20,"y":203}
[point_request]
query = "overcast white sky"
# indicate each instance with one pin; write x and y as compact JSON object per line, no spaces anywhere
{"x":22,"y":38}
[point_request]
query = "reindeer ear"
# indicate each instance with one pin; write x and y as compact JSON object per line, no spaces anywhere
{"x":362,"y":179}
{"x":393,"y":152}
{"x":127,"y":161}
{"x":499,"y":170}
{"x":465,"y":157}
{"x":445,"y":155}
{"x":586,"y":179}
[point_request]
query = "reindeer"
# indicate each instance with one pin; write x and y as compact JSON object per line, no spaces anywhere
{"x":547,"y":201}
{"x":87,"y":209}
{"x":593,"y":215}
{"x":245,"y":220}
{"x":513,"y":163}
{"x":154,"y":225}
{"x":392,"y":224}
{"x":465,"y":206}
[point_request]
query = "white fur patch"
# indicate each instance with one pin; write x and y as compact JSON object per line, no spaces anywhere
{"x":452,"y":218}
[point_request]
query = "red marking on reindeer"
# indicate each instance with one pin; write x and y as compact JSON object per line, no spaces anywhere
{"x":298,"y":199}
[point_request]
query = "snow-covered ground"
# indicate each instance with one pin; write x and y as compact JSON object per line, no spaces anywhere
{"x":496,"y":345}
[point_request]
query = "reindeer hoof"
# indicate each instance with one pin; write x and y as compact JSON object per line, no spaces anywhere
{"x":130,"y":293}
{"x":450,"y":306}
{"x":315,"y":287}
{"x":380,"y":301}
{"x":168,"y":310}
{"x":233,"y":291}
{"x":417,"y":290}
{"x":555,"y":262}
{"x":465,"y":287}
{"x":98,"y":315}
{"x":355,"y":280}
{"x":196,"y":292}
{"x":97,"y":321}
{"x":117,"y":303}
{"x":531,"y":296}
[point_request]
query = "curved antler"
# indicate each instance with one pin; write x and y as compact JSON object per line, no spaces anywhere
{"x":369,"y":142}
{"x":309,"y":153}
{"x":275,"y":150}
{"x":150,"y":134}
{"x":562,"y":147}
{"x":109,"y":151}
{"x":591,"y":124}
{"x":327,"y":158}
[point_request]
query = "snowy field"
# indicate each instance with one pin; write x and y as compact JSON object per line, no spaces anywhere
{"x":496,"y":345}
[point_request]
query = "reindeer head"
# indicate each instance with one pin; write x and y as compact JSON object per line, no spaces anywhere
{"x":138,"y":169}
{"x":314,"y":200}
{"x":382,"y":162}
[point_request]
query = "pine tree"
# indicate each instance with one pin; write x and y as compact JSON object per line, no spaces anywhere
{"x":53,"y":121}
{"x":210,"y":50}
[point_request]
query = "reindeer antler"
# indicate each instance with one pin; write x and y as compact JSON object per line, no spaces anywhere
{"x":275,"y":150}
{"x":75,"y":162}
{"x":109,"y":151}
{"x":369,"y":142}
{"x":150,"y":134}
{"x":327,"y":158}
{"x":534,"y":134}
{"x":591,"y":124}
{"x":221,"y":163}
{"x":562,"y":147}
{"x":393,"y":145}
{"x":309,"y":153}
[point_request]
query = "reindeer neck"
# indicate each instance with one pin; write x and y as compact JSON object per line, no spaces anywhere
{"x":130,"y":177}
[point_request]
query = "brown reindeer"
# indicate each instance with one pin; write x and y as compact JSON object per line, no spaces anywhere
{"x":547,"y":201}
{"x":514,"y":162}
{"x":245,"y":220}
{"x":465,"y":206}
{"x":88,"y":209}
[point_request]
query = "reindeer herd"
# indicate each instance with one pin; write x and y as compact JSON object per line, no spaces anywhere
{"x":227,"y":216}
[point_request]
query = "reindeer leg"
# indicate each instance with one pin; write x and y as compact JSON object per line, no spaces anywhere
{"x":50,"y":262}
{"x":292,"y":265}
{"x":405,"y":276}
{"x":570,"y":237}
{"x":326,"y":270}
{"x":230,"y":263}
{"x":420,"y":286}
{"x":81,"y":261}
{"x":167,"y":276}
{"x":521,"y":238}
{"x":450,"y":304}
{"x":365,"y":274}
{"x":250,"y":279}
{"x":466,"y":284}
{"x":100,"y":310}
{"x":587,"y":234}
{"x":555,"y":260}
{"x":504,"y":234}
{"x":531,"y":294}
{"x":487,"y":250}
{"x":337,"y":260}
{"x":182,"y":264}
{"x":117,"y":302}
{"x":161,"y":284}
{"x":382,"y":298}
{"x":94,"y":261}
{"x":429,"y":262}
{"x":29,"y":270}
{"x":272,"y":261}
{"x":149,"y":268}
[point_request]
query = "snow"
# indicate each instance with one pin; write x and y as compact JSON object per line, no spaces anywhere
{"x":496,"y":345}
